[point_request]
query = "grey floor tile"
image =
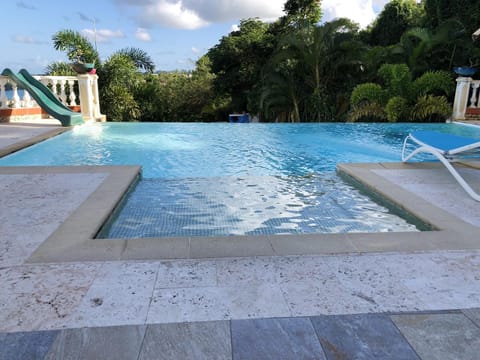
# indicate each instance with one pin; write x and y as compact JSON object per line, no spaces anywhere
{"x":286,"y":338}
{"x":441,"y":336}
{"x":369,"y":336}
{"x":26,"y":345}
{"x":117,"y":342}
{"x":198,"y":340}
{"x":473,"y":314}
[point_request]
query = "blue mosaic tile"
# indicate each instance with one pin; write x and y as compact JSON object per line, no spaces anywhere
{"x":261,"y":205}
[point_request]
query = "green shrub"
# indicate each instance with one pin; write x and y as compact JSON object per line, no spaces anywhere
{"x":367,"y":111}
{"x":367,"y":92}
{"x":431,"y":108}
{"x":435,"y":83}
{"x":398,"y":79}
{"x":397,"y":108}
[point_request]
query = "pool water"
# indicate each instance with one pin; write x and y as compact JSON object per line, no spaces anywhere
{"x":236,"y":179}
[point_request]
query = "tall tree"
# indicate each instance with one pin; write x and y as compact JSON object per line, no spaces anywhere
{"x":396,"y":17}
{"x":237,"y":61}
{"x":465,"y":11}
{"x":303,"y":11}
{"x":315,"y":64}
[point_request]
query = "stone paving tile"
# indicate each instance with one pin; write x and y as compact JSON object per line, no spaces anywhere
{"x":347,"y":284}
{"x":217,"y":303}
{"x":326,"y":298}
{"x":452,"y":280}
{"x":440,"y":336}
{"x":188,"y":273}
{"x":310,"y":286}
{"x":38,"y":212}
{"x":473,"y":314}
{"x":119,"y":343}
{"x":120,"y":295}
{"x":378,"y":281}
{"x":245,"y":271}
{"x":32,"y":345}
{"x":206,"y":340}
{"x":42,"y":297}
{"x":286,"y":338}
{"x":369,"y":337}
{"x":39,"y":278}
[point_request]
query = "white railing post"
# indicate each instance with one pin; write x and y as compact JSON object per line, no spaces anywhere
{"x":27,"y":101}
{"x":72,"y":97}
{"x":3,"y":93}
{"x":461,"y":98}
{"x":473,"y":99}
{"x":15,"y":98}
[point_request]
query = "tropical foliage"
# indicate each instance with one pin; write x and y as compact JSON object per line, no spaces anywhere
{"x":299,"y":68}
{"x":402,"y":98}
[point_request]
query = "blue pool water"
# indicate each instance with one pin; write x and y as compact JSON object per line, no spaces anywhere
{"x":225,"y":179}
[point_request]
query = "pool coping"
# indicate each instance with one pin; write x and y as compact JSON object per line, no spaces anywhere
{"x":74,"y":240}
{"x":19,"y":145}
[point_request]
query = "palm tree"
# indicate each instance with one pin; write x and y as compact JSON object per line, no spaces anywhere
{"x":78,"y":47}
{"x":448,"y":45}
{"x":318,"y":61}
{"x":141,"y":59}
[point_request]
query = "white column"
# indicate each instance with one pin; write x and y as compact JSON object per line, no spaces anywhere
{"x":96,"y":98}
{"x":86,"y":96}
{"x":88,"y":93}
{"x":461,"y":98}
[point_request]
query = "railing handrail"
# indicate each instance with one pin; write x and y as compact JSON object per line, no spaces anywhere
{"x":55,"y":77}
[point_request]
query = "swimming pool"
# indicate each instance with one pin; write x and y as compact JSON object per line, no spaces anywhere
{"x":236,"y":179}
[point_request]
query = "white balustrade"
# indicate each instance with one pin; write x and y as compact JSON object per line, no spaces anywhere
{"x":64,"y":87}
{"x":467,"y":96}
{"x":70,"y":90}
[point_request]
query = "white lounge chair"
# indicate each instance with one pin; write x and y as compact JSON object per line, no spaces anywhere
{"x":446,"y":148}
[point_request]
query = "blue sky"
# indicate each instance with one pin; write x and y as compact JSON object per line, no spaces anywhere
{"x":175,"y":33}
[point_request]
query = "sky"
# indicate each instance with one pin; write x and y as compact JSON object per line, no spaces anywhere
{"x":175,"y":33}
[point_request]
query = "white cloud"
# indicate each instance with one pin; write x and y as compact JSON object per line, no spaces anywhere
{"x":102,"y":35}
{"x":142,"y":35}
{"x":194,"y":14}
{"x":195,"y":50}
{"x":360,"y":11}
{"x":26,"y":39}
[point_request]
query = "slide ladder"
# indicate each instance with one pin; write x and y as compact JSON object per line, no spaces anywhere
{"x":44,"y":97}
